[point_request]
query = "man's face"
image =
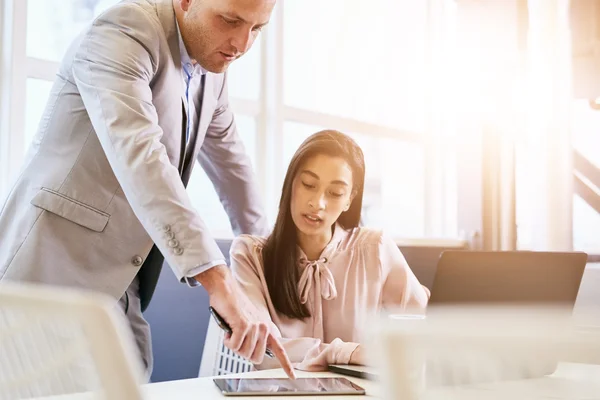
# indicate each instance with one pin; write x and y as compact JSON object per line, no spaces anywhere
{"x":217,"y":32}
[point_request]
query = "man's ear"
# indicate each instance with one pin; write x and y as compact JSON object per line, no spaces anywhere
{"x":184,"y":4}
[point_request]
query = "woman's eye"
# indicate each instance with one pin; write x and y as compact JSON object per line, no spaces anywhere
{"x":308,"y":186}
{"x":337,"y":194}
{"x":229,"y":21}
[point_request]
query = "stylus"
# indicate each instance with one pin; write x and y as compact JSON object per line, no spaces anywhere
{"x":225,"y":326}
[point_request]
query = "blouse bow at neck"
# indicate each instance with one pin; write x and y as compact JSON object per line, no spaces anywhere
{"x":316,"y":271}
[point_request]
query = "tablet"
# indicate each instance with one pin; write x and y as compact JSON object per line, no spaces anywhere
{"x":287,"y":387}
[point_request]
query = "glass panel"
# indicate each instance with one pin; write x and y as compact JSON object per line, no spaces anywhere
{"x":449,"y":226}
{"x":202,"y":192}
{"x":586,"y":227}
{"x":53,"y":24}
{"x":525,"y":197}
{"x":586,"y":131}
{"x":394,"y":187}
{"x":394,"y":193}
{"x":244,"y":74}
{"x":36,"y":96}
{"x":586,"y":141}
{"x":358,"y":59}
{"x":294,"y":134}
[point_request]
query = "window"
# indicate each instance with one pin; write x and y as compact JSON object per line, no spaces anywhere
{"x":358,"y":67}
{"x":586,"y":227}
{"x":34,"y":36}
{"x":586,"y":131}
{"x":244,"y":75}
{"x":294,"y":134}
{"x":532,"y":212}
{"x":53,"y":24}
{"x":357,"y":59}
{"x":586,"y":142}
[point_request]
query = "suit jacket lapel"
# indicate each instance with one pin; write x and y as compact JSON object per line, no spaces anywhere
{"x":189,"y":154}
{"x":207,"y":109}
{"x":182,"y":147}
{"x":166,"y":15}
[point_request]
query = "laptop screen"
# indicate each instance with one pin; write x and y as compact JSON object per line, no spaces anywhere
{"x":508,"y":277}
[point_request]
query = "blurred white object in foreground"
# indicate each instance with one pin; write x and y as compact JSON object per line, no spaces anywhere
{"x":478,"y":352}
{"x":59,"y":341}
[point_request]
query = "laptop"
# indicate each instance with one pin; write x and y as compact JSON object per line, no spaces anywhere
{"x":508,"y":277}
{"x":503,"y":278}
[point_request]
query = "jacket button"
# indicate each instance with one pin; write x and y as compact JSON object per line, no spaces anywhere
{"x":167,"y":228}
{"x":178,"y":251}
{"x":173,"y":243}
{"x":137,"y":261}
{"x":170,"y":235}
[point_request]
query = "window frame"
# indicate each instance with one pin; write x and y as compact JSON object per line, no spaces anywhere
{"x":269,"y":112}
{"x":430,"y":139}
{"x":12,"y":86}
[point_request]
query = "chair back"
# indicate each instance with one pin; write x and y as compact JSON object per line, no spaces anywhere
{"x":218,"y":359}
{"x":61,"y":341}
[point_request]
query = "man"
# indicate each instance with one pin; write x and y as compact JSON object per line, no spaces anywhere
{"x":101,"y":199}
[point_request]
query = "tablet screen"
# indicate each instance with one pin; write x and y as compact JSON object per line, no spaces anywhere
{"x":300,"y":386}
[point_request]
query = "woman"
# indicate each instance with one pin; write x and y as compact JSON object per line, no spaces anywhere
{"x":318,"y":275}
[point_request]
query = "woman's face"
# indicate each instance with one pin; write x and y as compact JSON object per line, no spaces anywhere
{"x":321,"y":191}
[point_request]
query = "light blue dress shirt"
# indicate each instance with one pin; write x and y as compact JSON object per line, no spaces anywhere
{"x":191,"y":73}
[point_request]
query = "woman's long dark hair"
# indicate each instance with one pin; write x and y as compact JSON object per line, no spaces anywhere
{"x":280,"y":253}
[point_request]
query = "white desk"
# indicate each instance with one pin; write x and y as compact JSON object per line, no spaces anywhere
{"x":581,"y":381}
{"x":205,"y":389}
{"x":570,"y":381}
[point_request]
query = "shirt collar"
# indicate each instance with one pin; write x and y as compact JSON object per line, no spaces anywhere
{"x":186,"y":61}
{"x":338,"y":235}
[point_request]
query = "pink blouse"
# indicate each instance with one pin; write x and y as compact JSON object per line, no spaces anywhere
{"x":358,"y":273}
